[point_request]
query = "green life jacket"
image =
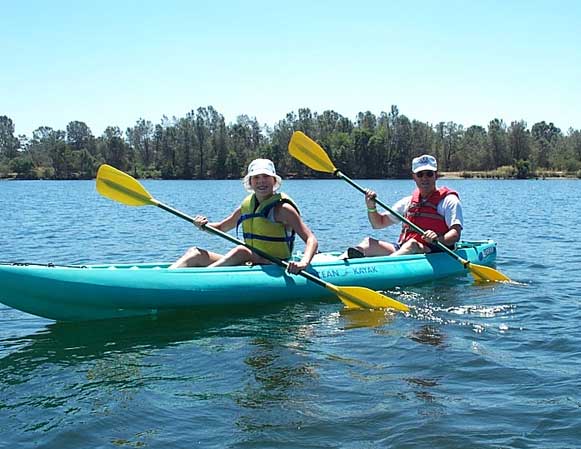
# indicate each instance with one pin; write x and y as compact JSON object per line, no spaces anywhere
{"x":261,"y":231}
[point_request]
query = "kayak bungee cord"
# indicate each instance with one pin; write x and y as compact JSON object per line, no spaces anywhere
{"x":35,"y":264}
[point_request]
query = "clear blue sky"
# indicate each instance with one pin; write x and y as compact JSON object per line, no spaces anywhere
{"x":113,"y":62}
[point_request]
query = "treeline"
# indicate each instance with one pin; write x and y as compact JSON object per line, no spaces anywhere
{"x":202,"y":145}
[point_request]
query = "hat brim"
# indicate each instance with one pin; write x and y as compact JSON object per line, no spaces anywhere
{"x":248,"y":187}
{"x":424,"y":168}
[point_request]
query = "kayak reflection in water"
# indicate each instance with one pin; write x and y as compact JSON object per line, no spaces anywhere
{"x":269,"y":223}
{"x":437,"y":210}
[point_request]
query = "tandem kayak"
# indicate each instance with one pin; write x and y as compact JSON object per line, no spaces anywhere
{"x":91,"y":292}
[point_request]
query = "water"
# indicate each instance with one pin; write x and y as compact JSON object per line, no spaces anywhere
{"x":472,"y":366}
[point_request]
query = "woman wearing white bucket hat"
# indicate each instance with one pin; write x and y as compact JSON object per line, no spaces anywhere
{"x":269,"y":223}
{"x":437,"y":210}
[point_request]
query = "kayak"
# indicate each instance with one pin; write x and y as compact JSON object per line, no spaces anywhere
{"x":91,"y":292}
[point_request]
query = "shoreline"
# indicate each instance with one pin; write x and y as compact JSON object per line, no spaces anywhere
{"x":443,"y":175}
{"x":491,"y":175}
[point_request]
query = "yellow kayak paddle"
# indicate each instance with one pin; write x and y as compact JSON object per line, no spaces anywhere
{"x":311,"y":154}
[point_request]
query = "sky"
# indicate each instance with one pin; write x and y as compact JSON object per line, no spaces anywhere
{"x":111,"y":63}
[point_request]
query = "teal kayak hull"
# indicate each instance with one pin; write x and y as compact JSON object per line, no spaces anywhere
{"x":121,"y":290}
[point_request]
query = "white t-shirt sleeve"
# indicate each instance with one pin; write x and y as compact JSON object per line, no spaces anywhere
{"x":451,"y":209}
{"x":401,"y":207}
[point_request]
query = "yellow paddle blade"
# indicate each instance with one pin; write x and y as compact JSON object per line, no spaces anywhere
{"x":119,"y":186}
{"x":483,"y":273}
{"x":361,"y":297}
{"x":309,"y":152}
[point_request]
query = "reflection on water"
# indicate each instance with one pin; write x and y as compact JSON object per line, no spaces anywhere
{"x":365,"y":318}
{"x":276,"y":368}
{"x":278,"y":372}
{"x":422,"y":388}
{"x":74,"y":342}
{"x":429,"y":335}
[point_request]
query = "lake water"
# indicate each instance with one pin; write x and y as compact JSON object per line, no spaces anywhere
{"x":496,"y":366}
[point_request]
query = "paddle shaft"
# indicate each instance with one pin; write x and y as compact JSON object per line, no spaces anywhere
{"x":275,"y":260}
{"x":416,"y":228}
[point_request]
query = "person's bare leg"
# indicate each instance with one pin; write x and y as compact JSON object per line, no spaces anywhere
{"x":411,"y":247}
{"x":236,"y":256}
{"x":371,"y":247}
{"x":195,"y":257}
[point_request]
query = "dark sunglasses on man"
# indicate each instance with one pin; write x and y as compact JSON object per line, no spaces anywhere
{"x":427,"y":173}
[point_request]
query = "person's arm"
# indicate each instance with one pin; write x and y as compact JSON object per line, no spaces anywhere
{"x":451,"y":208}
{"x":225,"y":225}
{"x":289,"y":216}
{"x":448,"y":239}
{"x":452,"y":236}
{"x":454,"y":219}
{"x":378,"y":219}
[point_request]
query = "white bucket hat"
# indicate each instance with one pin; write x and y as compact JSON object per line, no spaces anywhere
{"x":261,"y":167}
{"x":424,"y":162}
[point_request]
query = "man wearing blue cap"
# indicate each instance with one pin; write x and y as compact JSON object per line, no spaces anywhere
{"x":436,"y":210}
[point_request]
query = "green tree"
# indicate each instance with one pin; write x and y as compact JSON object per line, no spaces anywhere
{"x":523,"y":169}
{"x":573,"y":151}
{"x":9,"y":144}
{"x":519,"y":141}
{"x":79,"y":136}
{"x":140,"y":139}
{"x":86,"y":164}
{"x":306,"y":123}
{"x":475,"y":149}
{"x":43,"y":139}
{"x":545,"y":137}
{"x":450,"y":136}
{"x":203,"y":147}
{"x":244,"y":139}
{"x":330,"y":122}
{"x":400,"y":145}
{"x":23,"y":166}
{"x":334,"y":131}
{"x":185,"y":142}
{"x":366,"y":120}
{"x":218,"y":144}
{"x":363,"y":152}
{"x":114,"y":149}
{"x":280,"y":137}
{"x":497,"y":141}
{"x":376,"y":146}
{"x":422,"y":137}
{"x":48,"y":149}
{"x":62,"y":159}
{"x":164,"y":140}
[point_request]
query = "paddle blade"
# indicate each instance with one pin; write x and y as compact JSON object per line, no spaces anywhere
{"x":119,"y":186}
{"x":309,"y":152}
{"x":482,"y":273}
{"x":361,"y":297}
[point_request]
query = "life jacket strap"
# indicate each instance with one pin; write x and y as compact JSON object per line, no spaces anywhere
{"x":289,"y":238}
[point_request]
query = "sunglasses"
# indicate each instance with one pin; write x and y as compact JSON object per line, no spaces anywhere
{"x":427,"y":173}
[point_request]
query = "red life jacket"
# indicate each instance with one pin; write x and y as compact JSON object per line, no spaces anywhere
{"x":424,"y":214}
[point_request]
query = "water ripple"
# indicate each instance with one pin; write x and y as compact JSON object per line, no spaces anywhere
{"x":484,"y":366}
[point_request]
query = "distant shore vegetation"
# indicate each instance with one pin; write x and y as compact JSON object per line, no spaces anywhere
{"x":202,"y":145}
